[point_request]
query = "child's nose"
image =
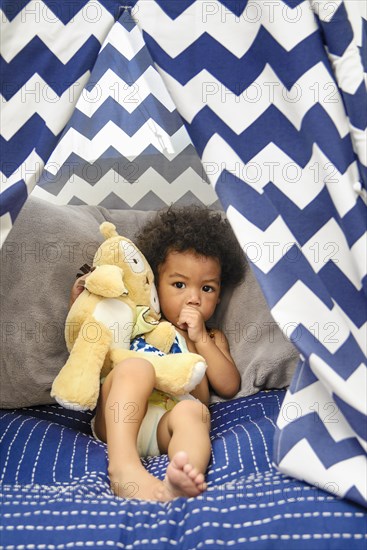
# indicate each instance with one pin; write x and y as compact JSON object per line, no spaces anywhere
{"x":193,"y":298}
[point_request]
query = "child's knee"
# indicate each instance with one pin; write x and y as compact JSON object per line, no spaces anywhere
{"x":190,"y":410}
{"x":138,"y":369}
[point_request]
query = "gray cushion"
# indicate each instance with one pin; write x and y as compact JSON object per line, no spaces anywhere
{"x":263,"y":355}
{"x":39,"y":262}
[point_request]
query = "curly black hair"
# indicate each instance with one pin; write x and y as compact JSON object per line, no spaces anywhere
{"x":196,"y":228}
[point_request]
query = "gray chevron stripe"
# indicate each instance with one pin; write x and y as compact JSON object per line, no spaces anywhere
{"x":130,"y":170}
{"x":150,"y":201}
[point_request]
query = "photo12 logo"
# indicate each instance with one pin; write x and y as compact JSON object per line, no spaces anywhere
{"x":269,"y":11}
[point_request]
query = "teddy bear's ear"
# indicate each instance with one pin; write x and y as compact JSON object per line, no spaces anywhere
{"x":108,"y":230}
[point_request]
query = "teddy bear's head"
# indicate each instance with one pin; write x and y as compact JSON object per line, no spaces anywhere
{"x":137,"y":274}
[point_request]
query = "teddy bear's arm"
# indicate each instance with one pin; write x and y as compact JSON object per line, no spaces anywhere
{"x":162,"y":336}
{"x":106,"y":281}
{"x":77,"y":384}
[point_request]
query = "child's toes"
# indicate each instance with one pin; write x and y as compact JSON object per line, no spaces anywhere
{"x":191,"y":472}
{"x":199,"y":479}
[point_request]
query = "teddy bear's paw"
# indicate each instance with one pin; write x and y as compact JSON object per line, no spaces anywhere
{"x":70,"y":405}
{"x":197,"y":375}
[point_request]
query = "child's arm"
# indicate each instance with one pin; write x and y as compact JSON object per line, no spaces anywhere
{"x":222,"y":373}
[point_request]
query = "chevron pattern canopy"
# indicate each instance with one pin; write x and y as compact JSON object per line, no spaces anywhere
{"x":125,"y":144}
{"x":277,"y":111}
{"x":273,"y":97}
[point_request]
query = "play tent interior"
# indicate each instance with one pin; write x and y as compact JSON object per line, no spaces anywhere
{"x":110,"y":112}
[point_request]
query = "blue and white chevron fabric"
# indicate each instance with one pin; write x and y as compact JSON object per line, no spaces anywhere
{"x":347,"y":53}
{"x":125,"y":144}
{"x":273,"y":97}
{"x":47,"y":52}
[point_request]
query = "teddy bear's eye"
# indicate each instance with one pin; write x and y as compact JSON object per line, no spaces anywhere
{"x":133,"y":257}
{"x":154,"y":302}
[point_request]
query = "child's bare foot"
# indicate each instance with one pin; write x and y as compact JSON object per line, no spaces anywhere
{"x":136,"y":482}
{"x":182,"y":480}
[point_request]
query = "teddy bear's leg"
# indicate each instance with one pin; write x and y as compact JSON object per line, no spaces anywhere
{"x":162,"y":336}
{"x":77,"y":384}
{"x":177,"y":373}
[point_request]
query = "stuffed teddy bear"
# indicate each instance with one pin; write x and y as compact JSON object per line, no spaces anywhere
{"x":119,"y":302}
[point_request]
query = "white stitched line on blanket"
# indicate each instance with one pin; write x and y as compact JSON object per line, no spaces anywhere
{"x":65,"y":527}
{"x":239,"y":418}
{"x":24,"y":451}
{"x":264,"y":442}
{"x":73,"y":455}
{"x":251,"y":481}
{"x":87,"y":451}
{"x":238,"y":407}
{"x":78,"y":544}
{"x":267,"y":417}
{"x":251,"y":447}
{"x":277,"y":537}
{"x":222,"y":542}
{"x":4,"y":416}
{"x":109,"y":513}
{"x":225,"y":449}
{"x":254,"y":398}
{"x":12,"y":442}
{"x":53,"y":493}
{"x":86,"y":422}
{"x":227,"y":497}
{"x":214,"y":470}
{"x":296,"y":514}
{"x":104,"y":502}
{"x":238,"y":451}
{"x":56,"y":492}
{"x":8,"y":426}
{"x":242,"y":488}
{"x":264,"y":504}
{"x":57,"y":455}
{"x":39,"y":453}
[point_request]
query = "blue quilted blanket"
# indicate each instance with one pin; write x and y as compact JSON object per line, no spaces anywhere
{"x":55,"y":490}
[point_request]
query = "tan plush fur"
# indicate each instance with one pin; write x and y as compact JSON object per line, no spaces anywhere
{"x":119,"y":303}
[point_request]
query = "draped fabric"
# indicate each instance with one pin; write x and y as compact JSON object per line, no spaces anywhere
{"x":47,"y":53}
{"x":273,"y":98}
{"x":124,"y":133}
{"x":276,"y":109}
{"x":74,"y":78}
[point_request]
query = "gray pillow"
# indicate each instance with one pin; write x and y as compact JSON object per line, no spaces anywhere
{"x":39,"y":263}
{"x":265,"y":358}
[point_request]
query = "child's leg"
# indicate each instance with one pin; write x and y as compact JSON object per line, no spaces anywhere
{"x":184,"y":434}
{"x":120,"y":411}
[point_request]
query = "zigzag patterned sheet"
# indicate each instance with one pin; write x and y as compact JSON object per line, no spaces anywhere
{"x":55,"y":491}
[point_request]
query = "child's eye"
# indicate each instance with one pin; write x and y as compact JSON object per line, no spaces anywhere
{"x":179,"y":284}
{"x":208,"y":288}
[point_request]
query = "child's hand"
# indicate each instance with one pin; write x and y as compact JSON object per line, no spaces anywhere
{"x":191,"y":320}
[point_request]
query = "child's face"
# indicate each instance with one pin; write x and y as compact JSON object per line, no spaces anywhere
{"x":186,"y":278}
